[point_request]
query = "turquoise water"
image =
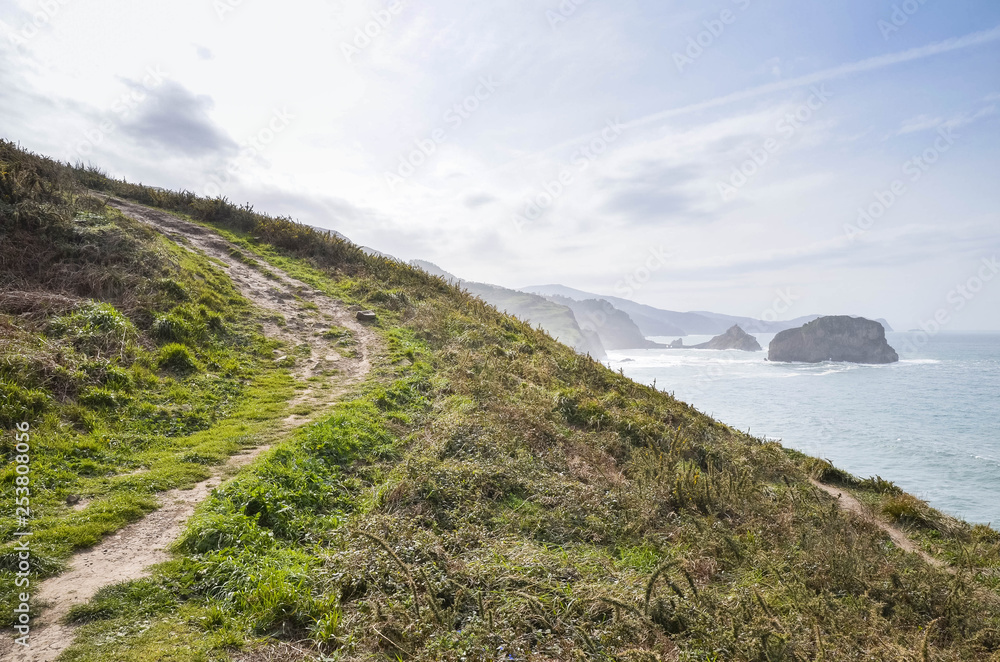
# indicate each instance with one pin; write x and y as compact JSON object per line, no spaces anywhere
{"x":930,"y":423}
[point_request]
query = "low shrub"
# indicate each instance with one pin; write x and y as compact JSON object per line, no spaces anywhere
{"x":173,"y":289}
{"x":172,"y":328}
{"x":80,"y":418}
{"x":118,"y":379}
{"x":391,"y":299}
{"x":825,"y":472}
{"x":880,"y":485}
{"x":18,"y":404}
{"x":96,"y":329}
{"x":103,"y":398}
{"x":907,"y":509}
{"x":177,"y":358}
{"x":215,"y":531}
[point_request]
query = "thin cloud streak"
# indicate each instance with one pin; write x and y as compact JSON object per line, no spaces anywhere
{"x":870,"y":64}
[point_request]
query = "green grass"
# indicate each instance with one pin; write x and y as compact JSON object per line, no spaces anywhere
{"x":490,"y":494}
{"x":526,"y":509}
{"x":144,"y":371}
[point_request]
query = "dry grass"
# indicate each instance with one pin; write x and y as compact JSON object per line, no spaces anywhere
{"x":522,"y":502}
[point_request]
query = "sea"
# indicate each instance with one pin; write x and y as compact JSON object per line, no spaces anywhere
{"x":930,"y":423}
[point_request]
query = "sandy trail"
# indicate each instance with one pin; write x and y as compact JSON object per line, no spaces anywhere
{"x":128,"y":554}
{"x":900,"y":539}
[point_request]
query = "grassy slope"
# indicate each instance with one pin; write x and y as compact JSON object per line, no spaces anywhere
{"x":489,"y":494}
{"x":139,"y":393}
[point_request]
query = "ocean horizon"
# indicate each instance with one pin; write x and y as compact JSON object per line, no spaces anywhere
{"x":929,"y":423}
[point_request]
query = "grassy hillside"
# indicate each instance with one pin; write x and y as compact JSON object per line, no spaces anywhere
{"x":123,"y":351}
{"x":487,"y":494}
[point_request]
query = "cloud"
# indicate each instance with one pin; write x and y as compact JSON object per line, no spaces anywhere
{"x":861,"y":66}
{"x":964,"y":119}
{"x":919,"y":123}
{"x":672,"y":177}
{"x":656,"y":185}
{"x":773,"y":67}
{"x":477,"y":200}
{"x":326,"y":212}
{"x":177,"y":121}
{"x":927,"y":123}
{"x":18,"y":101}
{"x":908,"y":245}
{"x":651,"y":192}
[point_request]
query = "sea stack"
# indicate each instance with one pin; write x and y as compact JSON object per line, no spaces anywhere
{"x":835,"y":338}
{"x":734,"y":338}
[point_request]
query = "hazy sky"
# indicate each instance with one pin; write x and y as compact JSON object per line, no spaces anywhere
{"x":625,"y":123}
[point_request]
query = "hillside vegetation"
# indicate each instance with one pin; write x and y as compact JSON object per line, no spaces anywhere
{"x":487,"y":493}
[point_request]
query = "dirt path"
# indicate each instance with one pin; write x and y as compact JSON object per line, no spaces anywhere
{"x":127,"y":554}
{"x":900,"y":539}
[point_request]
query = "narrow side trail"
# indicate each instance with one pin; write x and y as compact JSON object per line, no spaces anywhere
{"x":900,"y":539}
{"x":128,"y":554}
